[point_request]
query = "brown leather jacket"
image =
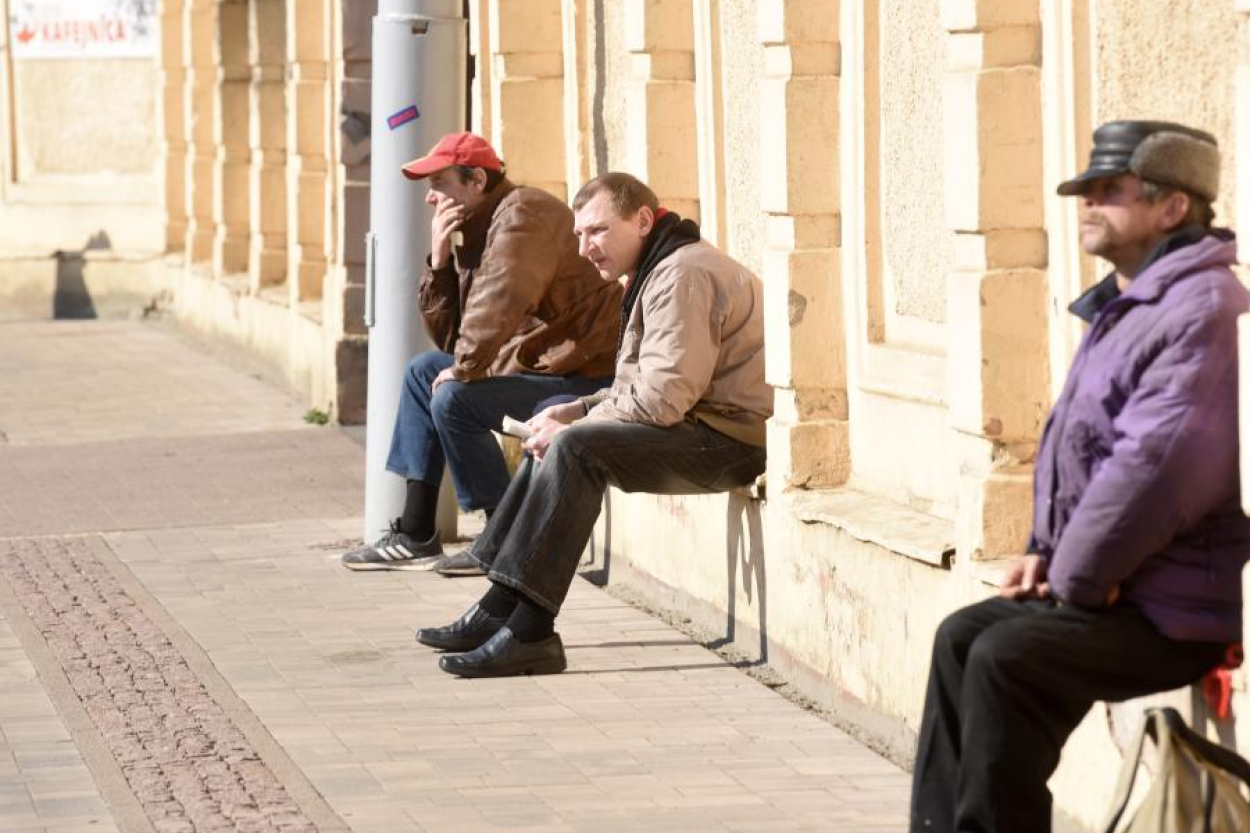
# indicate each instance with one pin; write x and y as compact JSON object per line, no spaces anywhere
{"x":520,"y":299}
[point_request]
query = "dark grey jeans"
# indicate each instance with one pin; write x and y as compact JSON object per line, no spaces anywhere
{"x":535,"y":538}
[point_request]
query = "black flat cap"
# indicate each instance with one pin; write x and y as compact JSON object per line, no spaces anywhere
{"x":1160,"y":151}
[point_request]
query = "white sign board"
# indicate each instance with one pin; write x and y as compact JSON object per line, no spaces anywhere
{"x":83,"y":28}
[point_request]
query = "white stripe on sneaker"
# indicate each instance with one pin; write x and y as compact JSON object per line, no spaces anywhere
{"x":406,"y":552}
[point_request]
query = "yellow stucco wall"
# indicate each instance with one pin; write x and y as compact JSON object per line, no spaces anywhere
{"x":616,"y":65}
{"x":79,"y":162}
{"x":741,"y":67}
{"x":916,"y":242}
{"x":1173,"y":61}
{"x":85,"y":118}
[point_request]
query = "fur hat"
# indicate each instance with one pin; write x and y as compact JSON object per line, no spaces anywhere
{"x":1159,"y":151}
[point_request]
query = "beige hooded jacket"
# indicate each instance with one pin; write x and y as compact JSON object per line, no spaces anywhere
{"x":693,"y":349}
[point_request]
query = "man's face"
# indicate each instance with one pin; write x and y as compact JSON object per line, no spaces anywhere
{"x":1119,"y":224}
{"x":447,"y":185}
{"x":611,"y":242}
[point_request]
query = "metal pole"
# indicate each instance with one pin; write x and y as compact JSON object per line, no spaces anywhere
{"x":418,"y":95}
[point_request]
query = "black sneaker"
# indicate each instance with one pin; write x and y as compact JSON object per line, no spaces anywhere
{"x":395,"y":551}
{"x":460,"y":564}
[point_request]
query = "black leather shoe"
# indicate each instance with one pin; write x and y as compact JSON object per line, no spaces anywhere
{"x":504,"y":655}
{"x":466,"y":633}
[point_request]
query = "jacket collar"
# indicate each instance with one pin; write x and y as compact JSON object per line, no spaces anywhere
{"x":1162,"y":267}
{"x":1095,"y":298}
{"x":477,"y":224}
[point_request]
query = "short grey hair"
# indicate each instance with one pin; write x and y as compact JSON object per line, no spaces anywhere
{"x":1200,"y":212}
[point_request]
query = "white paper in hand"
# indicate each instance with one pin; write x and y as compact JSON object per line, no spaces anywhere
{"x":516,"y":429}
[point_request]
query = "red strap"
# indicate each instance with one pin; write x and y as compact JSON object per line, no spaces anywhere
{"x":1217,"y":688}
{"x":1217,"y":685}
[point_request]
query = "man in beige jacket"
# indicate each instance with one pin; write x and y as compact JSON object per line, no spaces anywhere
{"x":684,"y":415}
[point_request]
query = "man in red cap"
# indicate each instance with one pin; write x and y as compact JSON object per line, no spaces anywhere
{"x":517,"y":316}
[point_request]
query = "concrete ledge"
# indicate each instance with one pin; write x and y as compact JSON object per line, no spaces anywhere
{"x":991,"y":572}
{"x":880,"y":521}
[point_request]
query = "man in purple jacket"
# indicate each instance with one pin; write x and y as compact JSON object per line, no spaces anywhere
{"x":1132,"y":579}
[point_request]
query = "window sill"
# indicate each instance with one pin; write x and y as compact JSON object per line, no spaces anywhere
{"x":990,"y":572}
{"x":877,"y":520}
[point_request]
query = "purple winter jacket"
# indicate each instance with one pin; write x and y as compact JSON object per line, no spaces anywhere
{"x":1136,"y":482}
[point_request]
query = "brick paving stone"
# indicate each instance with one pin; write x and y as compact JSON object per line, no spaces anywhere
{"x":179,"y":482}
{"x":74,"y":382}
{"x":189,"y":766}
{"x":34,"y":795}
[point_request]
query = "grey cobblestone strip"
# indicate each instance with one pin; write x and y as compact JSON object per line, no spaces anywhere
{"x":185,"y":759}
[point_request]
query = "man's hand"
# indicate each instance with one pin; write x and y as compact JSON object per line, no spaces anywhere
{"x":448,"y":216}
{"x":549,"y":422}
{"x":445,"y":375}
{"x":1025,"y":579}
{"x":567,"y":412}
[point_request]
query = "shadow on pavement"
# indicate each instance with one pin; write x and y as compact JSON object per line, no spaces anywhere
{"x":71,"y":299}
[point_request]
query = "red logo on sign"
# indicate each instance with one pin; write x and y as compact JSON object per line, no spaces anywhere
{"x":78,"y":33}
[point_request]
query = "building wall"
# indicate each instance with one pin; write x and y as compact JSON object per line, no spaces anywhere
{"x":1186,"y":75}
{"x":742,"y":65}
{"x":118,"y":93}
{"x":899,"y":206}
{"x":78,"y":161}
{"x":265,"y":162}
{"x":916,"y":241}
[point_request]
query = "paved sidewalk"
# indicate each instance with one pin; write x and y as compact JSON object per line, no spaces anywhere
{"x":181,"y":651}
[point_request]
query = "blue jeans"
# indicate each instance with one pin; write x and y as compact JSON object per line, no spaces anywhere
{"x":453,"y":427}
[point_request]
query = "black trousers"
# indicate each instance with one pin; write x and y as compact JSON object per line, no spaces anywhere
{"x":1010,"y":680}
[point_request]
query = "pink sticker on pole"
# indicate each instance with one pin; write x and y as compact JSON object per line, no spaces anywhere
{"x":396,"y":120}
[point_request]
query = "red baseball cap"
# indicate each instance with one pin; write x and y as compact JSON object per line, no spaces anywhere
{"x":454,"y":149}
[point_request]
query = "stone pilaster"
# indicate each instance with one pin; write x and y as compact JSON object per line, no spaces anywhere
{"x":173,"y":125}
{"x":527,"y":90}
{"x":1241,"y":129}
{"x":267,"y":142}
{"x":998,"y":387}
{"x":230,"y":128}
{"x":578,"y":132}
{"x":307,"y":143}
{"x":710,"y":121}
{"x":1241,"y":200}
{"x":663,"y":149}
{"x":199,"y":29}
{"x":479,"y":50}
{"x":345,"y":286}
{"x":808,"y":440}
